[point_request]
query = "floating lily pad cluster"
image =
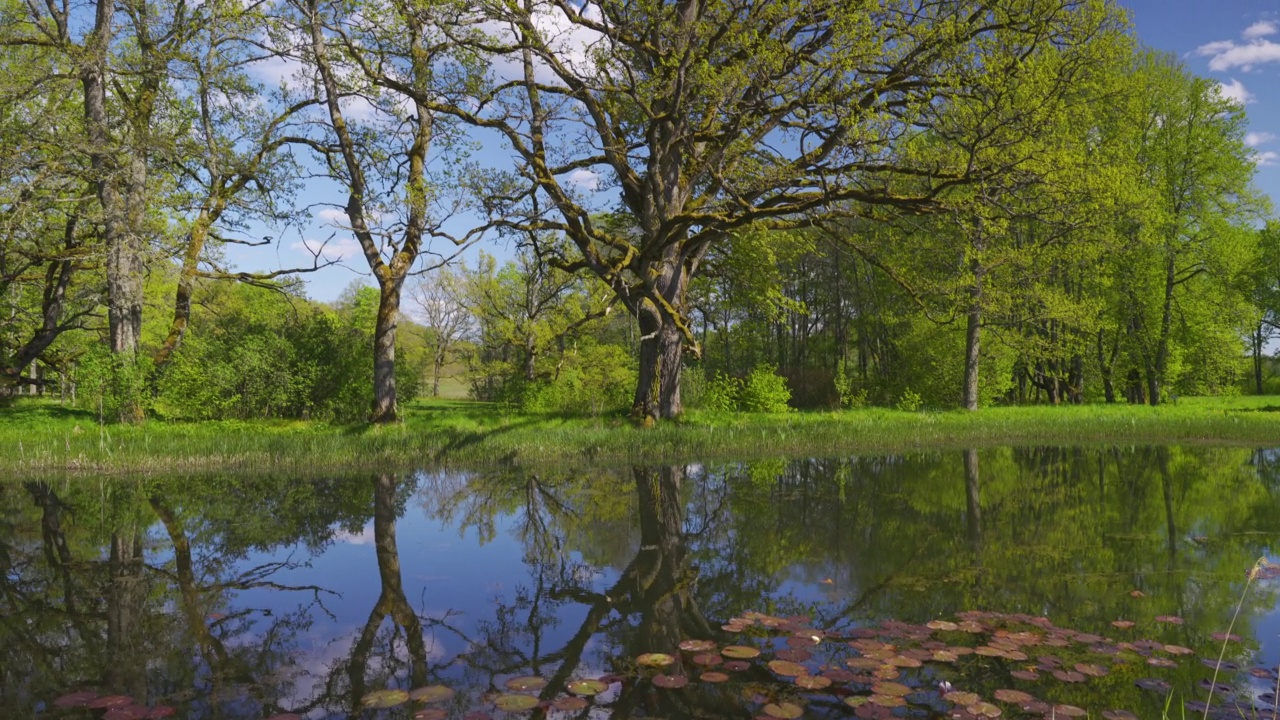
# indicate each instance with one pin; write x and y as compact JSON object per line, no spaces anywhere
{"x":783,"y":668}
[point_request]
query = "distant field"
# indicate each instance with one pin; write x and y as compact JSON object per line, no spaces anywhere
{"x":39,"y":437}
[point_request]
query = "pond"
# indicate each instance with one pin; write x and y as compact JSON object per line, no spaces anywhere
{"x":1013,"y":582}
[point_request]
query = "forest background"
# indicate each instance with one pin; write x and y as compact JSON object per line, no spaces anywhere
{"x":624,"y":208}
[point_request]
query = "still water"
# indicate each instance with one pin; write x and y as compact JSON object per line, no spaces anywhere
{"x":1019,"y":582}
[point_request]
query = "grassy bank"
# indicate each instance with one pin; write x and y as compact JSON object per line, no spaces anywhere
{"x":39,"y":438}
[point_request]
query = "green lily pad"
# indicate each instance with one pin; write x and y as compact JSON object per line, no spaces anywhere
{"x":586,"y":687}
{"x":783,"y":710}
{"x":740,"y":652}
{"x":526,"y":682}
{"x":381,"y":699}
{"x":511,"y":702}
{"x":655,"y":660}
{"x":569,"y":704}
{"x":431,"y":694}
{"x":786,"y":668}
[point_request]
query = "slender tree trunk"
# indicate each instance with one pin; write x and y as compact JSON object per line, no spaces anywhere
{"x":973,"y":341}
{"x":385,"y":409}
{"x":1257,"y":359}
{"x":1156,"y":374}
{"x":1106,"y":368}
{"x":436,"y":367}
{"x":196,"y":239}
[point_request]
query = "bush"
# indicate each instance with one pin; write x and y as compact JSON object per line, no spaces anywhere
{"x":721,"y":394}
{"x":764,"y":391}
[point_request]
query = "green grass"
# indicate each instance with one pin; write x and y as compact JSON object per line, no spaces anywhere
{"x":40,"y":438}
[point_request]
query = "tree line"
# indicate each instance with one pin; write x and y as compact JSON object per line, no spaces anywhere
{"x":828,"y":203}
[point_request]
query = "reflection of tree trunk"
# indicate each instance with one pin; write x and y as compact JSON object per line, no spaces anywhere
{"x":215,"y":653}
{"x":973,"y":501}
{"x":126,"y":595}
{"x":1162,"y":461}
{"x":391,"y":602}
{"x":667,"y":608}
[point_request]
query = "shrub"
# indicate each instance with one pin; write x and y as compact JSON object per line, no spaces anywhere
{"x":764,"y":391}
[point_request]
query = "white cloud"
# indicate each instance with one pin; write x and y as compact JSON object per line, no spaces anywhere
{"x":342,"y":248}
{"x":584,"y":179}
{"x":1254,"y":139}
{"x":332,"y":216}
{"x":1225,"y":54}
{"x":1266,"y":159}
{"x":1235,"y":90}
{"x":1262,"y":28}
{"x":364,"y":537}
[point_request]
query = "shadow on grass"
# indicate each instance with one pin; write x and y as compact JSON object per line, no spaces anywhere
{"x":27,"y":412}
{"x":1264,"y":408}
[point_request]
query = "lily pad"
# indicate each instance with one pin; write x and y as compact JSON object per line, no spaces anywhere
{"x":1154,"y":685}
{"x":793,"y":654}
{"x":960,"y":697}
{"x":707,"y":659}
{"x":942,"y":625}
{"x":1170,"y":619}
{"x":697,"y":645}
{"x":1122,"y":624}
{"x":655,"y":660}
{"x":887,"y":701}
{"x":1118,"y":715}
{"x":787,"y":668}
{"x":1091,"y":669}
{"x":1028,"y":675}
{"x":712,"y":676}
{"x":1069,"y":676}
{"x":162,"y":711}
{"x":382,"y":699}
{"x":670,"y":682}
{"x":1016,"y":697}
{"x":985,"y":709}
{"x":109,"y":701}
{"x":737,"y":665}
{"x":812,"y":682}
{"x":75,"y":699}
{"x":569,"y":704}
{"x":1178,"y":650}
{"x":431,"y":694}
{"x":526,"y":682}
{"x":783,"y":710}
{"x":431,"y":714}
{"x":586,"y":687}
{"x":1069,"y":711}
{"x":740,"y":652}
{"x":511,"y":702}
{"x":890,"y":688}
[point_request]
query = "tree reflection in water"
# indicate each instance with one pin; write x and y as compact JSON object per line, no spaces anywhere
{"x":210,"y":594}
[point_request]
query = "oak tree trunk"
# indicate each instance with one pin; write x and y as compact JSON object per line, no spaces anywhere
{"x":385,"y":409}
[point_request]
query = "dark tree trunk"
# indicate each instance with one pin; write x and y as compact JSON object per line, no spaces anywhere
{"x":436,"y":366}
{"x":126,"y":596}
{"x":1106,"y":368}
{"x":385,"y":409}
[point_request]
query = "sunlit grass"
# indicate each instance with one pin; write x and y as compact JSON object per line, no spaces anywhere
{"x":38,"y":437}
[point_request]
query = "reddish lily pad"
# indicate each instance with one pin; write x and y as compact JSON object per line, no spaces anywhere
{"x":569,"y":704}
{"x":1016,"y":697}
{"x":75,"y":699}
{"x":162,"y":711}
{"x":707,"y":659}
{"x":1118,"y":715}
{"x":1028,"y":675}
{"x":670,"y":682}
{"x":1224,"y":636}
{"x":1091,"y":669}
{"x":109,"y":701}
{"x":942,"y":625}
{"x":511,"y":702}
{"x":887,"y":701}
{"x":1170,"y":619}
{"x":1178,"y":650}
{"x":431,"y":694}
{"x":1161,"y":662}
{"x":1069,"y":676}
{"x":1069,"y":711}
{"x":1122,"y":624}
{"x":712,"y":676}
{"x":737,"y":665}
{"x":433,"y":713}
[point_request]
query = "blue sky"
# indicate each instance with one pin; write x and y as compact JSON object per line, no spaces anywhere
{"x":1234,"y":42}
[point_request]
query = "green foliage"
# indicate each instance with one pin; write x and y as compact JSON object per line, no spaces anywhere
{"x":112,"y":386}
{"x":847,"y":392}
{"x":909,"y":401}
{"x":721,"y":394}
{"x":591,"y":380}
{"x":764,"y":390}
